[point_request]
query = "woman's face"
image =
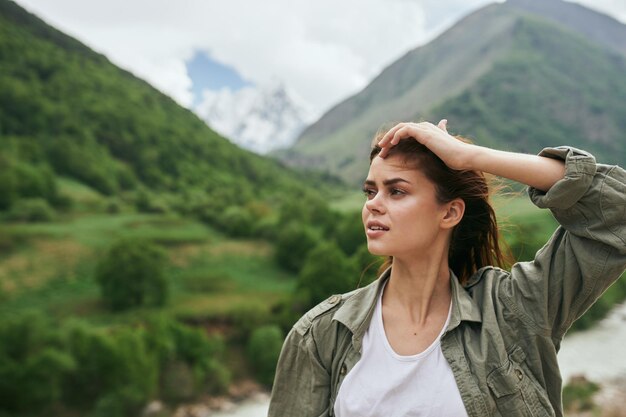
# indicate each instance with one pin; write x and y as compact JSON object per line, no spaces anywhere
{"x":401,"y":215}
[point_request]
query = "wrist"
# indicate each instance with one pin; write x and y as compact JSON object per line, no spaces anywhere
{"x":474,"y":158}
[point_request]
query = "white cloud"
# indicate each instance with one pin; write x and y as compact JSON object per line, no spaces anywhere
{"x":323,"y":50}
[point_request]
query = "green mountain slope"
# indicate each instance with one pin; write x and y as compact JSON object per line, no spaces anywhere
{"x":479,"y":58}
{"x":67,"y":111}
{"x":565,"y":91}
{"x":598,"y":28}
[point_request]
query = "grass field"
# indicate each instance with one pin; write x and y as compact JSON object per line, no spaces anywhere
{"x":50,"y":266}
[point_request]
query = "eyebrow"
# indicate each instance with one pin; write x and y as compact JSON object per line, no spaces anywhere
{"x":387,"y":182}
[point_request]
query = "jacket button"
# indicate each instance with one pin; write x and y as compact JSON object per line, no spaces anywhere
{"x":343,"y":369}
{"x":334,"y":299}
{"x":519,"y":374}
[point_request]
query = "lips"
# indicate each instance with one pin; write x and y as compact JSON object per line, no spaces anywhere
{"x":374,"y":225}
{"x":375,"y":229}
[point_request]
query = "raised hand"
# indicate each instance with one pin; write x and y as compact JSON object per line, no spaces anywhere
{"x":453,"y":152}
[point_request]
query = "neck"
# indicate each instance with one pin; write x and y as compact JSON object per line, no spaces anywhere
{"x":419,"y":287}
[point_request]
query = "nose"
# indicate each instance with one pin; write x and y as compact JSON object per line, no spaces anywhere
{"x":375,"y":204}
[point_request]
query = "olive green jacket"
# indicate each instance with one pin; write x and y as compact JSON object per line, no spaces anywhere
{"x":505,"y":328}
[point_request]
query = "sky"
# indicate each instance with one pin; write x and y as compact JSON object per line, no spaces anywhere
{"x":322,"y":50}
{"x":221,"y":76}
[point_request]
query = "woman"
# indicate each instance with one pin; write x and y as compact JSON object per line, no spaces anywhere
{"x":442,"y":332}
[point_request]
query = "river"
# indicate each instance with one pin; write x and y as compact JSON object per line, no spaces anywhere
{"x":598,"y":353}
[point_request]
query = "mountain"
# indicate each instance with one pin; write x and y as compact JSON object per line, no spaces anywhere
{"x":259,"y":119}
{"x":519,"y":75}
{"x":66,"y":112}
{"x":596,"y":27}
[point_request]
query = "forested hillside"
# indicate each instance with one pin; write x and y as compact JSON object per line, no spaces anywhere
{"x":66,"y":111}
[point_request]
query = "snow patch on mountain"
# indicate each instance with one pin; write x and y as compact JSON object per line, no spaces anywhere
{"x":260,"y":119}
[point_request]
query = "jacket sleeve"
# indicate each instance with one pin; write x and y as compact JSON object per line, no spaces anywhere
{"x":302,"y":383}
{"x":584,"y":256}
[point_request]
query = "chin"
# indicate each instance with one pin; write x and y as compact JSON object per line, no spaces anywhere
{"x":377,"y":250}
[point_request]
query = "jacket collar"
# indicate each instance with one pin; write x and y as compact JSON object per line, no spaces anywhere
{"x":356,"y":311}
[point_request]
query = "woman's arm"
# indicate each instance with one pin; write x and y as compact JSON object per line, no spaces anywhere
{"x":535,"y":171}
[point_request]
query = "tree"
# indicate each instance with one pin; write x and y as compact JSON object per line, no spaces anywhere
{"x":294,"y":242}
{"x":350,"y":233}
{"x":326,"y":271}
{"x":132,"y":275}
{"x":31,"y":210}
{"x":116,"y":372}
{"x":8,"y":182}
{"x":367,"y":265}
{"x":32,"y":365}
{"x":191,"y":362}
{"x":237,"y":221}
{"x":263,"y":351}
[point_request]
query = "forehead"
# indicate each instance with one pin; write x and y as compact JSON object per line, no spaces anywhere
{"x":393,"y":167}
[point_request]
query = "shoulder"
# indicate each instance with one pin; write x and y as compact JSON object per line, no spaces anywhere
{"x":488,"y":282}
{"x":322,"y":314}
{"x":486,"y":277}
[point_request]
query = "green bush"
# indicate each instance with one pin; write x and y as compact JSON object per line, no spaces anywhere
{"x":116,"y":370}
{"x":326,"y":271}
{"x":266,"y":228}
{"x":35,"y":181}
{"x":21,"y":179}
{"x":306,"y":209}
{"x":578,"y":395}
{"x":204,"y":354}
{"x":114,"y":206}
{"x":263,"y":351}
{"x":350,"y":234}
{"x":237,"y":221}
{"x":183,"y":352}
{"x":147,"y":202}
{"x":32,"y":364}
{"x":293,"y":244}
{"x":105,"y":372}
{"x":8,"y":183}
{"x":116,"y":404}
{"x":245,"y":319}
{"x":84,"y":159}
{"x":132,"y":274}
{"x":31,"y":210}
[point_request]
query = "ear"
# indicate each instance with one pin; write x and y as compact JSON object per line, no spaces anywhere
{"x":453,"y":213}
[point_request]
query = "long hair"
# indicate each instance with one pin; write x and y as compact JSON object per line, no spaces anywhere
{"x":475,"y":240}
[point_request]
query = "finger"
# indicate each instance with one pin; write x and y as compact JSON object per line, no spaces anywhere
{"x":390,"y":134}
{"x":404,"y":132}
{"x":443,"y":125}
{"x":387,"y":137}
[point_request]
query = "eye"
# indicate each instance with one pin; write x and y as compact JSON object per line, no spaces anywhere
{"x":369,"y":192}
{"x":396,"y":191}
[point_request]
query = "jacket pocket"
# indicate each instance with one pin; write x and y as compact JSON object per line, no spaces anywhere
{"x":515,"y":392}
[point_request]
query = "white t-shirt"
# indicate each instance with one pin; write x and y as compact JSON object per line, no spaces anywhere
{"x":385,"y":384}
